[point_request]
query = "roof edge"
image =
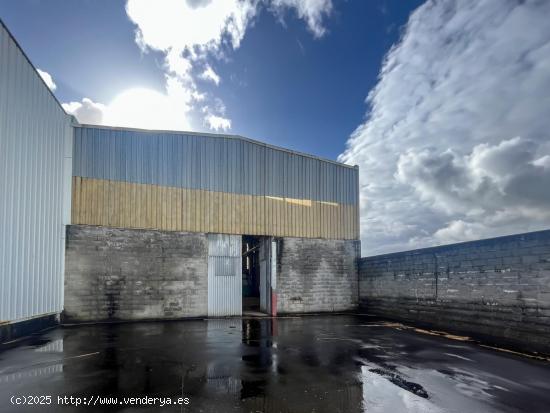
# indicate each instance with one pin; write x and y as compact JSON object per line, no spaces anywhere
{"x":32,"y":65}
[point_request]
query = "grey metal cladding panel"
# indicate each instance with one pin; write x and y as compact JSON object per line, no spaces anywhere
{"x":357,"y":185}
{"x":354,"y":182}
{"x":348,"y":185}
{"x":208,"y":163}
{"x":275,"y":171}
{"x":76,"y":149}
{"x":258,"y":175}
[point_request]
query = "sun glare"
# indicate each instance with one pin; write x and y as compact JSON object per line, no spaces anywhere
{"x":146,"y":108}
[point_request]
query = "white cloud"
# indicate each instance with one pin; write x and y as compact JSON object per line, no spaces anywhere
{"x":190,"y":32}
{"x":544,"y":162}
{"x":455,"y":145}
{"x":210,"y":75}
{"x":180,"y":26}
{"x":214,"y":116}
{"x":312,"y":11}
{"x":187,"y":32}
{"x":86,"y":111}
{"x":47,"y":79}
{"x":218,"y":123}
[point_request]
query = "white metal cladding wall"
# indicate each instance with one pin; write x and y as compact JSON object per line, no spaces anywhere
{"x":35,"y":137}
{"x":224,"y":275}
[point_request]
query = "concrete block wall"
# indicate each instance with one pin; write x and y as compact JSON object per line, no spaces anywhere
{"x":316,"y":275}
{"x":129,"y":274}
{"x":497,"y":289}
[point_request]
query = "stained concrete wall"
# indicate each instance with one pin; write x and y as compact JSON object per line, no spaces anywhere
{"x":496,"y":289}
{"x":316,"y":275}
{"x":128,"y":274}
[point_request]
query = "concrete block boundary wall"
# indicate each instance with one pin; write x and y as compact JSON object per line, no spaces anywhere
{"x":496,"y":289}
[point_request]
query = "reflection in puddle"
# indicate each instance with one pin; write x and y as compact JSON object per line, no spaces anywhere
{"x":470,"y":385}
{"x":54,"y":346}
{"x":28,"y":374}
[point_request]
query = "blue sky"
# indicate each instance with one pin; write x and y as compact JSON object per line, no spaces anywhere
{"x":443,"y":104}
{"x":282,"y":85}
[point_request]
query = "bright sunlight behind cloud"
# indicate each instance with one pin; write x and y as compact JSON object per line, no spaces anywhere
{"x":189,"y":33}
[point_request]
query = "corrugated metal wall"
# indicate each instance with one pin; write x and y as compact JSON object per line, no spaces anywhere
{"x":224,"y":275}
{"x":207,"y":183}
{"x":35,"y":137}
{"x":209,"y":162}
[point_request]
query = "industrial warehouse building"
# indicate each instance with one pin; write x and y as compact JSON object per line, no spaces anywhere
{"x":106,"y":224}
{"x":178,"y":224}
{"x":102,"y":223}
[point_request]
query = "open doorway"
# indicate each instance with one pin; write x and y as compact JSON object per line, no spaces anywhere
{"x":259,"y":276}
{"x":251,"y":273}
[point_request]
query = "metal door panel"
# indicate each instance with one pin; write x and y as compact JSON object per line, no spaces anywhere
{"x":224,"y":275}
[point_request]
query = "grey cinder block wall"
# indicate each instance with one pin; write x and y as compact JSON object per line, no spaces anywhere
{"x":128,"y":274}
{"x":497,"y":289}
{"x":316,"y":275}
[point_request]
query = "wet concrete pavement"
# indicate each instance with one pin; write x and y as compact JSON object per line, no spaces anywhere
{"x":298,"y":364}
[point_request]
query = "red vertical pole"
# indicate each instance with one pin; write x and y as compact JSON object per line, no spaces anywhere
{"x":273,"y":303}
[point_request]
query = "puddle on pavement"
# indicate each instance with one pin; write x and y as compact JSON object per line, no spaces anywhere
{"x":322,"y":364}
